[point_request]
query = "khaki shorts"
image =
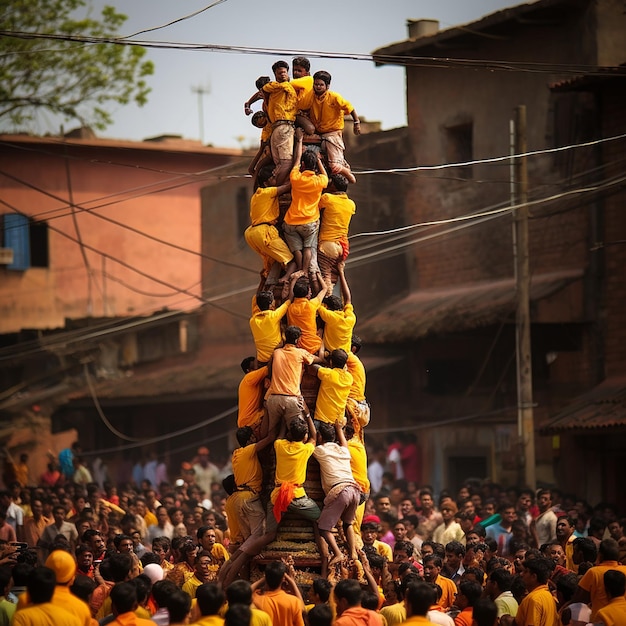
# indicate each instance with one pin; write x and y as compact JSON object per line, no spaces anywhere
{"x":281,"y":142}
{"x":333,"y":145}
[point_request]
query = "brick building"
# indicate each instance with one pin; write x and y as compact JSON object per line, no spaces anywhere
{"x":454,"y":381}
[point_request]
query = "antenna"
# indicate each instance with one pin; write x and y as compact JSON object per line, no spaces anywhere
{"x":201,"y":90}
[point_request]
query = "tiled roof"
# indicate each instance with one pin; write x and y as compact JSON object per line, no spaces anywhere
{"x":488,"y":26}
{"x":434,"y":311}
{"x":602,"y":408}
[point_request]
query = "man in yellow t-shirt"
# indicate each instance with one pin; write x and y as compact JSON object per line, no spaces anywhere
{"x":292,"y":456}
{"x":335,"y":385}
{"x":243,"y":507}
{"x":265,"y":325}
{"x":327,"y":111}
{"x":538,"y":607}
{"x":40,"y":610}
{"x":263,"y":236}
{"x":357,"y":406}
{"x":336,"y":212}
{"x":614,"y":613}
{"x":302,"y":82}
{"x":210,"y":602}
{"x":202,"y":573}
{"x":339,"y":318}
{"x":281,"y":110}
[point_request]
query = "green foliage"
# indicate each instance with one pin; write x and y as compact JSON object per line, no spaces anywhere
{"x":72,"y":79}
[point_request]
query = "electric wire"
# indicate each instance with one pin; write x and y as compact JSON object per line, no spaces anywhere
{"x":103,"y":417}
{"x":172,"y":435}
{"x":137,"y":231}
{"x":176,"y":21}
{"x":358,"y":259}
{"x":381,"y":59}
{"x":417,"y":168}
{"x":134,"y":269}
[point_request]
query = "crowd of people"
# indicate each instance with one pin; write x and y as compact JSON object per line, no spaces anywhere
{"x":79,"y":549}
{"x":73,"y":553}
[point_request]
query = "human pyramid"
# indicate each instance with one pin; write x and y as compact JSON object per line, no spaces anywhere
{"x":309,"y":334}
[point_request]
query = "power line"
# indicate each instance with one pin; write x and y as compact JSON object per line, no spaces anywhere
{"x":138,"y":231}
{"x":412,"y":169}
{"x":177,"y":433}
{"x":407,"y":60}
{"x":176,"y":21}
{"x":132,"y":268}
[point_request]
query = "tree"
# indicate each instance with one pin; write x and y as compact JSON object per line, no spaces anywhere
{"x":73,"y":79}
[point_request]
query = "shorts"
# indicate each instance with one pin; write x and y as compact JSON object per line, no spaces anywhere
{"x":301,"y":236}
{"x":252,"y":517}
{"x":304,"y":507}
{"x":266,"y":241}
{"x":283,"y":407}
{"x":343,"y":507}
{"x":331,"y":249}
{"x":334,"y":147}
{"x":281,"y":142}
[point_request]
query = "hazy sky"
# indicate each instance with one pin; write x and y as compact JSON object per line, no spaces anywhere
{"x":353,"y":26}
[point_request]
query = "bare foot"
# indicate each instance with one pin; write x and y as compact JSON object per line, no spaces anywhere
{"x":338,"y":558}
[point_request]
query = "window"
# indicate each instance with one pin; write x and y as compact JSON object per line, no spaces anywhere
{"x":459,"y":147}
{"x":28,"y":240}
{"x":448,"y":376}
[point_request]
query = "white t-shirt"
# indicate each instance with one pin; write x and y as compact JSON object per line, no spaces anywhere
{"x":394,"y":457}
{"x":334,"y":463}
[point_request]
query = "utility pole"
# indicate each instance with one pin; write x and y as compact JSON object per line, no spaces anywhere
{"x":201,"y":90}
{"x":525,"y":415}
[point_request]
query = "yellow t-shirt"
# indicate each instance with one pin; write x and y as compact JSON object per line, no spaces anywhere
{"x":338,"y":211}
{"x":45,"y":614}
{"x":327,"y":112}
{"x":355,"y":367}
{"x":306,"y":190}
{"x":358,"y":463}
{"x":394,"y":613}
{"x":265,"y":327}
{"x":338,"y":329}
{"x":291,"y":461}
{"x":191,"y":585}
{"x":303,"y":313}
{"x":333,"y":393}
{"x":282,"y":101}
{"x":538,"y":608}
{"x":246,"y":468}
{"x":304,"y":91}
{"x":613,"y":613}
{"x":251,"y":394}
{"x":264,"y":208}
{"x":219,"y":552}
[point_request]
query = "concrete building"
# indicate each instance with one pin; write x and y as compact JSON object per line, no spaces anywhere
{"x":100,"y":268}
{"x":455,"y":330}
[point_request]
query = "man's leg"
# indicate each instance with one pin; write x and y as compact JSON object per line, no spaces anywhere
{"x":329,"y":538}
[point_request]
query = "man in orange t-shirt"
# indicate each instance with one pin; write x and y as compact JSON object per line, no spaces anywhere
{"x":284,"y":399}
{"x":303,"y":313}
{"x":250,"y":395}
{"x":302,"y":220}
{"x":284,"y":609}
